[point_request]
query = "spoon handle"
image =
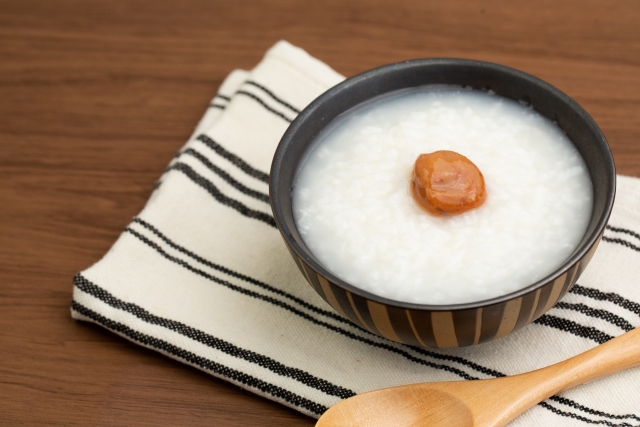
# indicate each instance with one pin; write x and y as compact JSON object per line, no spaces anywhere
{"x":532,"y":387}
{"x":615,"y":355}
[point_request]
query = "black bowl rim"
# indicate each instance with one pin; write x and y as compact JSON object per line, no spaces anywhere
{"x":289,"y":136}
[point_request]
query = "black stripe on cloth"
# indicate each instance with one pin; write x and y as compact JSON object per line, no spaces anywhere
{"x":217,"y":194}
{"x":624,"y":230}
{"x":224,"y":175}
{"x":612,"y":297}
{"x":222,"y":107}
{"x":455,"y":359}
{"x":597,"y":313}
{"x":235,"y":160}
{"x":237,"y":275}
{"x":574,"y":328}
{"x":209,"y":340}
{"x":271,"y":94}
{"x":575,"y":405}
{"x":226,"y":98}
{"x":264,"y":104}
{"x":297,"y":312}
{"x":205,"y":364}
{"x":621,"y":242}
{"x":299,"y":301}
{"x":581,"y":418}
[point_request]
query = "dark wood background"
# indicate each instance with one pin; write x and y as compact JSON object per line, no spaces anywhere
{"x":95,"y":98}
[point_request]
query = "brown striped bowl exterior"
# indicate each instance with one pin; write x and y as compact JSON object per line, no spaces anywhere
{"x":457,"y":325}
{"x":442,"y":328}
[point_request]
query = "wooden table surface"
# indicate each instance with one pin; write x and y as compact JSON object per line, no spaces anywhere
{"x":96,"y":97}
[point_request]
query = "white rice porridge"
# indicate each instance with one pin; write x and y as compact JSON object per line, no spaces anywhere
{"x":353,"y":206}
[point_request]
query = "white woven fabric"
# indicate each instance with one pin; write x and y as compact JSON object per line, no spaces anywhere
{"x":202,"y":276}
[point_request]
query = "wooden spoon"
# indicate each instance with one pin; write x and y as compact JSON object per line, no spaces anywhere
{"x":486,"y":403}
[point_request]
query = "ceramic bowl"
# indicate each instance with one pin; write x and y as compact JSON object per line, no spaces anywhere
{"x":455,"y":325}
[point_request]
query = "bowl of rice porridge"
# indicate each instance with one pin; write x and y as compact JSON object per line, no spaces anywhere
{"x":442,"y":202}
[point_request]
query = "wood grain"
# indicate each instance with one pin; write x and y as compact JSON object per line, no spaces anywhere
{"x":95,"y":98}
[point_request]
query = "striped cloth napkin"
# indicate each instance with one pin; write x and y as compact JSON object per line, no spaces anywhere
{"x":201,"y":275}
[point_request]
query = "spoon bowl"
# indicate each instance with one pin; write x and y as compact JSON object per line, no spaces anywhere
{"x":400,"y":406}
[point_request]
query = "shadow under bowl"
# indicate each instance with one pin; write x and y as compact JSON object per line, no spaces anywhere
{"x":455,"y":325}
